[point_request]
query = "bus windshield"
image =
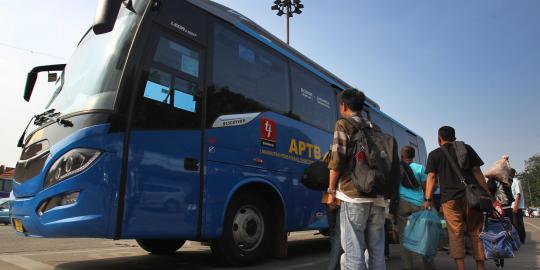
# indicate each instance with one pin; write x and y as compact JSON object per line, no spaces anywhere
{"x":91,"y":77}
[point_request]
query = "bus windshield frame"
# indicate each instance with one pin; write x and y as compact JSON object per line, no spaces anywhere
{"x":92,"y":76}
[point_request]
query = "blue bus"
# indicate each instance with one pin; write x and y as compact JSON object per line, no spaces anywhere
{"x":181,"y":120}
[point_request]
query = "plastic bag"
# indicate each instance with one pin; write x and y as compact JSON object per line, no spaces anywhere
{"x":500,"y":170}
{"x":422,"y":233}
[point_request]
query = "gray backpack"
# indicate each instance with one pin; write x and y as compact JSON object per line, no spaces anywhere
{"x":374,"y":160}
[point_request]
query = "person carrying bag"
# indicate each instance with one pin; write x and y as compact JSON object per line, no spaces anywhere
{"x":413,"y":231}
{"x":461,"y":196}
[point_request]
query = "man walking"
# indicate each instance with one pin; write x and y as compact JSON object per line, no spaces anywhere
{"x":518,"y":205}
{"x":460,"y":218}
{"x":361,"y":218}
{"x":411,"y":197}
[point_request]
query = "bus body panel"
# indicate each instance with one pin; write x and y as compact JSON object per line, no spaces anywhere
{"x":237,"y":155}
{"x":93,"y":213}
{"x":161,"y":194}
{"x":223,"y":181}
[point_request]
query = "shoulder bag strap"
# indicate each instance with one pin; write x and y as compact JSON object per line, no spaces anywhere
{"x":454,"y":165}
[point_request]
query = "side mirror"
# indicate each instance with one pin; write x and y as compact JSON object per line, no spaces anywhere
{"x":30,"y":83}
{"x":32,"y":78}
{"x":106,"y":14}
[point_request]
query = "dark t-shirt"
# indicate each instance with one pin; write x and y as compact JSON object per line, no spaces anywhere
{"x":451,"y":187}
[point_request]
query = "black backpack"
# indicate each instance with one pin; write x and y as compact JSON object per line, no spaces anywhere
{"x":316,"y":176}
{"x":408,"y":180}
{"x":374,"y":160}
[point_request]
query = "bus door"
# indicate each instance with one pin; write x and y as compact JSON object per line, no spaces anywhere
{"x":163,"y":178}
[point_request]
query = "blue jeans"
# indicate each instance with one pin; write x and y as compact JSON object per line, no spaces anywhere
{"x":362,"y":227}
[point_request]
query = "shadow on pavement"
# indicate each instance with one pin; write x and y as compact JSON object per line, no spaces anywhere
{"x":299,"y":252}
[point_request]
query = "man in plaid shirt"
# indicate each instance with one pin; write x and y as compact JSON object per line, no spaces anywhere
{"x":361,"y":218}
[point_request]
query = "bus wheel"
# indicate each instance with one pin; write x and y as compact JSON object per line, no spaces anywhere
{"x":161,"y":246}
{"x":246,"y":231}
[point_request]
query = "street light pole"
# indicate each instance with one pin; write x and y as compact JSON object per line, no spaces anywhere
{"x":287,"y":23}
{"x":287,"y":7}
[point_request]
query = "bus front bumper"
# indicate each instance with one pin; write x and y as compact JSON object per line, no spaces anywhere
{"x":78,"y":207}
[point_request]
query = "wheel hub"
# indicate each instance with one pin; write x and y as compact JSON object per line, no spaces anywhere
{"x":248,"y":228}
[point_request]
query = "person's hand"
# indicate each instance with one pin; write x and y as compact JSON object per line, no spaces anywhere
{"x":427,"y":205}
{"x":332,"y":201}
{"x":515,"y":209}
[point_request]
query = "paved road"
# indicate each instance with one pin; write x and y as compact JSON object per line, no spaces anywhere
{"x":306,"y":251}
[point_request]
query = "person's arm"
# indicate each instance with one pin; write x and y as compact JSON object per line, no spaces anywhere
{"x":480,"y":178}
{"x":518,"y":197}
{"x":423,"y":179}
{"x":516,"y":203}
{"x":332,"y":186}
{"x":430,"y":187}
{"x":337,"y":159}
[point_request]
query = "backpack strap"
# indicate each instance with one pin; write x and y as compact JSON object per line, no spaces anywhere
{"x":454,"y":165}
{"x":408,"y":175}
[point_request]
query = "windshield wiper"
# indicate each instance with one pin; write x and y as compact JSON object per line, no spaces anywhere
{"x":51,"y":115}
{"x":43,"y":118}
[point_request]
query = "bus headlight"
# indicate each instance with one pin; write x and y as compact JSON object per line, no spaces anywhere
{"x":71,"y":163}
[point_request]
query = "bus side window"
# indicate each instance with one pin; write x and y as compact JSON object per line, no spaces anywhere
{"x":158,"y":86}
{"x":413,"y":142}
{"x":171,"y":98}
{"x":246,"y":76}
{"x":314,"y":101}
{"x":365,"y":114}
{"x":382,"y":122}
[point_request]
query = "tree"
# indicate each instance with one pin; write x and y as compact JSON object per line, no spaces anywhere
{"x":530,"y":180}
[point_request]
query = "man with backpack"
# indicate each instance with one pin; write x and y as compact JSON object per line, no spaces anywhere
{"x":360,"y":167}
{"x":460,"y":218}
{"x":411,"y":197}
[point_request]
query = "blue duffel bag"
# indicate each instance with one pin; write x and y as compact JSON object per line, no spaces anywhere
{"x":500,"y":238}
{"x":422,"y":233}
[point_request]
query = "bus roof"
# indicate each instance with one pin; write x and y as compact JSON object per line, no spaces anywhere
{"x":253,"y":29}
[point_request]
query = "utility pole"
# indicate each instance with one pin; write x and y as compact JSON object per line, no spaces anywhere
{"x":287,"y":7}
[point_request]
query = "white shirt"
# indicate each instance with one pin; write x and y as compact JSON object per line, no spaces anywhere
{"x":517,"y":189}
{"x":378,"y":201}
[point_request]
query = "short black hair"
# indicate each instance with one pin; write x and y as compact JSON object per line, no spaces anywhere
{"x":512,"y":171}
{"x":447,"y":133}
{"x":352,"y":98}
{"x":408,"y":152}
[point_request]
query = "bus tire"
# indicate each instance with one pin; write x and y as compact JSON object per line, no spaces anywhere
{"x":161,"y":246}
{"x":246,"y":231}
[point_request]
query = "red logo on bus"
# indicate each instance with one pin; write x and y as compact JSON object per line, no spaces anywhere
{"x":268,"y":132}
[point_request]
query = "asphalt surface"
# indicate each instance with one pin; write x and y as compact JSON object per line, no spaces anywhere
{"x":306,"y":251}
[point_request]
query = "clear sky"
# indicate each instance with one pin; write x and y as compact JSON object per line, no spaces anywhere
{"x":474,"y":65}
